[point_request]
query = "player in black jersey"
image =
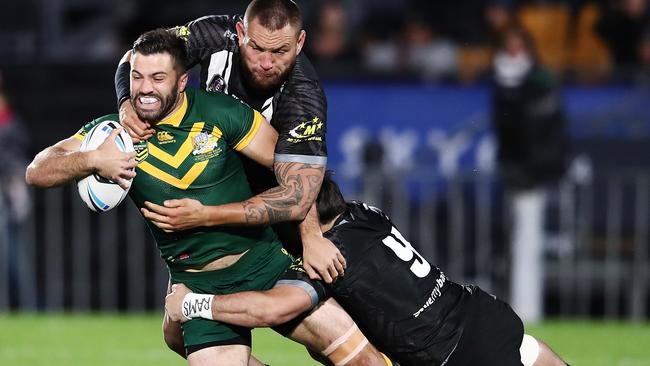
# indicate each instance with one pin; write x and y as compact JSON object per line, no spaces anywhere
{"x":407,"y":308}
{"x":256,"y":58}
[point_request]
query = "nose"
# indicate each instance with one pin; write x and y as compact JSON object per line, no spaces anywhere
{"x":266,"y":61}
{"x":146,"y":86}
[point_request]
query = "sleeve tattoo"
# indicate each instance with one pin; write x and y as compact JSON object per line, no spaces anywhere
{"x":299,"y":184}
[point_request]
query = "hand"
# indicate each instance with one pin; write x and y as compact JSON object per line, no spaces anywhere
{"x":176,"y":215}
{"x":174,"y":301}
{"x":113,"y":164}
{"x":322,"y":260}
{"x":137,"y":129}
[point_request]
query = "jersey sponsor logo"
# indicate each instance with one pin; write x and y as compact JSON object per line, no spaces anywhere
{"x":306,"y":131}
{"x":297,"y":265}
{"x":181,"y":257}
{"x":228,"y":34}
{"x":205,"y":146}
{"x":165,"y":137}
{"x":141,"y":151}
{"x":216,"y":84}
{"x":183,"y":32}
{"x":435,"y":294}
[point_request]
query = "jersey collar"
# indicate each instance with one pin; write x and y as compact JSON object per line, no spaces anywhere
{"x":176,"y":118}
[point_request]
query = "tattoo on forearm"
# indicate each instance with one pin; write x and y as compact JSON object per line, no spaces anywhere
{"x":298,"y":189}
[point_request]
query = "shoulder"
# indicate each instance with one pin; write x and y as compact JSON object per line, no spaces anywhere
{"x":302,"y":96}
{"x":210,"y":29}
{"x":542,"y":79}
{"x":303,"y":77}
{"x":81,"y":133}
{"x":211,"y":101}
{"x":214,"y":21}
{"x":215,"y":105}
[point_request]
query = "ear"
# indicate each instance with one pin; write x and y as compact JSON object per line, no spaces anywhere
{"x":301,"y":41}
{"x":182,"y":82}
{"x":241,"y":33}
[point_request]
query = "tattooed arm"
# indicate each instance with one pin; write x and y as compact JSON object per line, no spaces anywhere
{"x":299,"y":184}
{"x":291,"y":200}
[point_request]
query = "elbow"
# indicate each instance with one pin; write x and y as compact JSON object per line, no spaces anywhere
{"x":32,"y":177}
{"x":35,"y":179}
{"x":301,"y":212}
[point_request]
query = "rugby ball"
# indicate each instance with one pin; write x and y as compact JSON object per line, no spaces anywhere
{"x":98,"y":193}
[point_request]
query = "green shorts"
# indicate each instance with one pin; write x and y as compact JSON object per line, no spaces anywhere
{"x":258,"y":269}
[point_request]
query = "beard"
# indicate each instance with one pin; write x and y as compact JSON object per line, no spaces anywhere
{"x":264,"y":85}
{"x":167,"y":104}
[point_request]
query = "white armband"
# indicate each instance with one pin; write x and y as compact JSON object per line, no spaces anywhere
{"x":197,"y":306}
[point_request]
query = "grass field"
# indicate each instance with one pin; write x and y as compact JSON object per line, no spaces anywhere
{"x":135,"y":340}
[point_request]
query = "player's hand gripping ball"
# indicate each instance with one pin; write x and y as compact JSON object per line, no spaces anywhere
{"x":98,"y":193}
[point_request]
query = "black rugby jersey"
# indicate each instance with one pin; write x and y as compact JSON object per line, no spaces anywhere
{"x":406,"y":307}
{"x":297,"y":109}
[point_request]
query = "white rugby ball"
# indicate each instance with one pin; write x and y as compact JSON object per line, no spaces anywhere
{"x":98,"y":193}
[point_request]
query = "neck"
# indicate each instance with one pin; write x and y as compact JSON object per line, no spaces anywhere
{"x":177,"y":106}
{"x":328,"y":225}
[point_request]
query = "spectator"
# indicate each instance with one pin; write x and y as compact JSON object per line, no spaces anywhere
{"x":529,"y":123}
{"x":331,"y":37}
{"x":621,"y":27}
{"x":15,"y":204}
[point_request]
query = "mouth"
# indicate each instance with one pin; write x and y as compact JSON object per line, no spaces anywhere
{"x":148,"y":102}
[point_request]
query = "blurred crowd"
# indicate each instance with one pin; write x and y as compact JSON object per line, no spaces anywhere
{"x":588,"y":41}
{"x":585,"y":40}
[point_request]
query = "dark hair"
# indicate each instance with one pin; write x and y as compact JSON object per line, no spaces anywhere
{"x":330,"y":201}
{"x":274,"y":14}
{"x":163,"y":41}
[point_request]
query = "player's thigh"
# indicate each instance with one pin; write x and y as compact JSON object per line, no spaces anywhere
{"x":220,"y":355}
{"x":325,"y":324}
{"x":333,"y":336}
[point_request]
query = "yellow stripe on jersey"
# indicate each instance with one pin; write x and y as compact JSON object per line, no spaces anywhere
{"x":79,"y":136}
{"x":181,"y":183}
{"x":183,"y":152}
{"x":216,"y":132}
{"x":257,"y":122}
{"x":177,"y":117}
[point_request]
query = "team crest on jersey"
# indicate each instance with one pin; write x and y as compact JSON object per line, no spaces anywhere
{"x":205,"y":146}
{"x":141,"y":151}
{"x":216,"y":84}
{"x":165,"y":137}
{"x":306,"y":131}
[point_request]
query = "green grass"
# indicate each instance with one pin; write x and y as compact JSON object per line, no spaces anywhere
{"x":130,"y":340}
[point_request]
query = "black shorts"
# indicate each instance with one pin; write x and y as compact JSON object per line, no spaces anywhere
{"x":492,"y":333}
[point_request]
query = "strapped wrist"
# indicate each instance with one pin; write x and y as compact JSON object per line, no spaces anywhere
{"x":197,"y":306}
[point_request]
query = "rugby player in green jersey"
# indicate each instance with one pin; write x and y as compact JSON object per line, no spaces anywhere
{"x":194,"y":155}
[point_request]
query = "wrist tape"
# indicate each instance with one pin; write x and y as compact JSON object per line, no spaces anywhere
{"x":197,"y":306}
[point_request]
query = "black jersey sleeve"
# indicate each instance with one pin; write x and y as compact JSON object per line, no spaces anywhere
{"x":300,"y":117}
{"x":296,"y":276}
{"x":207,"y":35}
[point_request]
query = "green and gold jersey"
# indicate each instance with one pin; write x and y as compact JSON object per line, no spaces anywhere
{"x":194,"y":155}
